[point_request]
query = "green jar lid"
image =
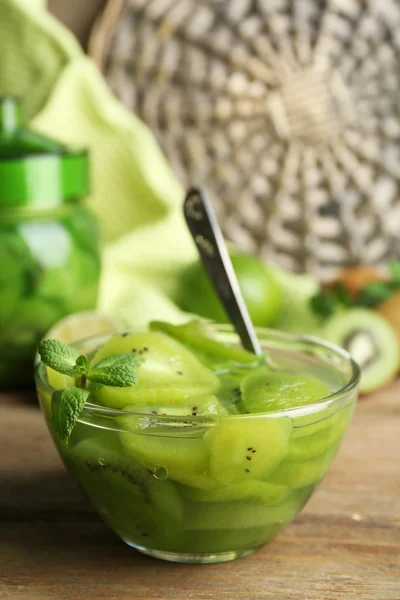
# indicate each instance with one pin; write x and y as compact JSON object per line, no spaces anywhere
{"x":36,"y":171}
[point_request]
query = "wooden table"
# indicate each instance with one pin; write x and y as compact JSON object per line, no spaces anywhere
{"x":344,"y":545}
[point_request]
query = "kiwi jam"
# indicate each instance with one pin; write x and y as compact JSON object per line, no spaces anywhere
{"x":49,"y":241}
{"x":200,"y":461}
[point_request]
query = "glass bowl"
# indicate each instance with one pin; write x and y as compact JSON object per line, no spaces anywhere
{"x":210,"y":489}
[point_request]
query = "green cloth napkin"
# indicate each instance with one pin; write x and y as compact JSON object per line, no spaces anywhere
{"x":135,"y":195}
{"x":34,"y":48}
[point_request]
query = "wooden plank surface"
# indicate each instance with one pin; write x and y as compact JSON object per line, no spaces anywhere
{"x":344,"y":545}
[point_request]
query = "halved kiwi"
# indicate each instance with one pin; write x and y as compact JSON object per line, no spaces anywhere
{"x":371,"y":341}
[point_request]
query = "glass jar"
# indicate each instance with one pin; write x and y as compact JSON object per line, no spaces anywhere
{"x":49,"y":242}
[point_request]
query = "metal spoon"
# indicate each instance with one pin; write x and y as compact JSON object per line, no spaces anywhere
{"x":204,"y":227}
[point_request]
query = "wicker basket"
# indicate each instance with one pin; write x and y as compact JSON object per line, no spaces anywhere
{"x":286,"y":110}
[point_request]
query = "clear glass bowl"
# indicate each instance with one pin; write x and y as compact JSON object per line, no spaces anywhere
{"x":210,"y":489}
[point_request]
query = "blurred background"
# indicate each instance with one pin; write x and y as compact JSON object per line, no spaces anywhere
{"x":78,"y":16}
{"x":287,"y":112}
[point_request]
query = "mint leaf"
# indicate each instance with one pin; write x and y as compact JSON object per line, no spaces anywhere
{"x":57,"y":355}
{"x":323,"y":304}
{"x":66,"y":406}
{"x":63,"y":358}
{"x":117,"y":370}
{"x":341,"y":294}
{"x":375,"y":293}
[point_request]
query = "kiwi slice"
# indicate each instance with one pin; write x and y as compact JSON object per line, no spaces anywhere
{"x":242,"y":449}
{"x":267,"y":390}
{"x":103,"y":469}
{"x":195,"y":335}
{"x":194,"y":406}
{"x":309,"y":446}
{"x":303,"y":446}
{"x":241,"y":514}
{"x":269,"y":493}
{"x":57,"y":380}
{"x":137,"y":522}
{"x":371,"y":341}
{"x":303,"y":473}
{"x":168,"y":371}
{"x":185,"y":459}
{"x":314,"y":422}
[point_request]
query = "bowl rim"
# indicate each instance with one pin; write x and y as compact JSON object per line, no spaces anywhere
{"x":313,"y":407}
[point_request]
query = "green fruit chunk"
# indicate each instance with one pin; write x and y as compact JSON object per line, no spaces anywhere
{"x":302,"y":473}
{"x":268,"y":493}
{"x":260,"y":288}
{"x":184,"y":459}
{"x":371,"y":341}
{"x":267,"y":390}
{"x":195,"y":406}
{"x":103,"y":467}
{"x":313,"y":422}
{"x":309,"y":446}
{"x":133,"y":515}
{"x":169,"y":372}
{"x":195,"y":335}
{"x":241,"y":514}
{"x":242,"y":449}
{"x":58,"y":381}
{"x":303,"y":446}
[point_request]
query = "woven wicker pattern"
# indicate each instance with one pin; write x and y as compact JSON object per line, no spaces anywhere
{"x":286,"y":110}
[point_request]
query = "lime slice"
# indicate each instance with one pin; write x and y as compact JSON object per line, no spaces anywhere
{"x":81,"y":325}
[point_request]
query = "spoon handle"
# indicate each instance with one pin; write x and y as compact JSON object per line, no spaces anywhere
{"x":203,"y":225}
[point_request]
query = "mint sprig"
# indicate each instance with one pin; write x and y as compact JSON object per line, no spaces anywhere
{"x":117,"y":370}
